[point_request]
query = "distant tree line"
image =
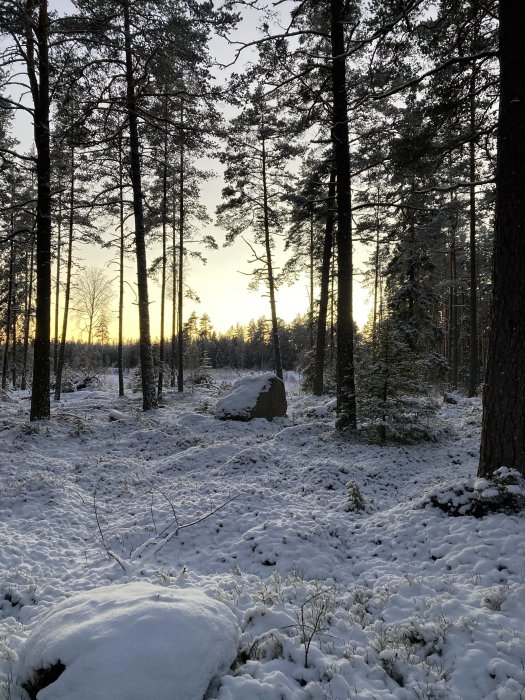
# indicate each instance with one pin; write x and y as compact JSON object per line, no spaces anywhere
{"x":388,"y":125}
{"x":241,"y":347}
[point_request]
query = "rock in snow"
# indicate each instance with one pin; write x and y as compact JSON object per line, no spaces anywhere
{"x":131,"y":642}
{"x":253,"y":396}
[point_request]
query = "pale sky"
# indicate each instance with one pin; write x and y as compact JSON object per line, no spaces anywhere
{"x":220,"y":284}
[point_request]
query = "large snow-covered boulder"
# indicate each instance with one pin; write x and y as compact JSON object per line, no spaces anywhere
{"x":253,"y":396}
{"x":130,"y":642}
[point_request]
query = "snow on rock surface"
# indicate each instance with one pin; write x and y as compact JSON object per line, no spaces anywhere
{"x":253,"y":396}
{"x":131,"y":642}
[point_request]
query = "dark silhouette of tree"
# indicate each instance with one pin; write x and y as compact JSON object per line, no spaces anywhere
{"x":503,"y":429}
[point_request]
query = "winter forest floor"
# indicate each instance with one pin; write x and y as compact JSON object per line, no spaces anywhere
{"x":336,"y":598}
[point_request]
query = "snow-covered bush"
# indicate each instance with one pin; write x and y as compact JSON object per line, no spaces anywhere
{"x":505,"y":493}
{"x":394,"y":400}
{"x":355,"y":497}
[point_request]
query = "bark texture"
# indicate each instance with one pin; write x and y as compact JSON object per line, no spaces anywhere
{"x":503,"y":430}
{"x":149,"y":394}
{"x":320,"y":342}
{"x":346,"y":401}
{"x":40,"y":404}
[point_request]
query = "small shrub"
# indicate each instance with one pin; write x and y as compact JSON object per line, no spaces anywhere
{"x":356,"y":500}
{"x":504,"y":493}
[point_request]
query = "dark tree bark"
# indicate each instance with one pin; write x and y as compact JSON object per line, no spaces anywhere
{"x":473,"y":380}
{"x":164,"y":254}
{"x":174,"y":290}
{"x":149,"y":395}
{"x":56,"y":341}
{"x":8,"y":322}
{"x":277,"y":361}
{"x":27,"y":313}
{"x":320,"y":342}
{"x":67,"y":291}
{"x":120,"y":357}
{"x":180,"y":338}
{"x":453,"y":310}
{"x":311,"y":270}
{"x":39,"y":82}
{"x":503,"y":427}
{"x":346,"y":400}
{"x":376,"y":274}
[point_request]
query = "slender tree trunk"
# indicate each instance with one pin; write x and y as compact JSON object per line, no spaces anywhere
{"x":149,"y":395}
{"x":376,"y":273}
{"x":332,"y":301}
{"x":311,"y":270}
{"x":40,"y":405}
{"x":346,"y":400}
{"x":269,"y":268}
{"x":180,"y":338}
{"x":386,"y":377}
{"x":320,"y":344}
{"x":27,"y":316}
{"x":67,"y":291}
{"x":454,"y":326}
{"x":473,"y":380}
{"x":15,"y":339}
{"x":174,"y":291}
{"x":120,"y":354}
{"x":57,"y":280}
{"x":503,"y":425}
{"x":164,"y":253}
{"x":8,"y":323}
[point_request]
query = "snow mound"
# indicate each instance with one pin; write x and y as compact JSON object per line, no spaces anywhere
{"x":130,"y":642}
{"x":253,"y":396}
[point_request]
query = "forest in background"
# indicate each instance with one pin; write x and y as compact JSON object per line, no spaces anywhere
{"x":353,"y":123}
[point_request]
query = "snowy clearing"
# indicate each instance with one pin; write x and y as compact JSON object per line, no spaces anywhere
{"x":345,"y":582}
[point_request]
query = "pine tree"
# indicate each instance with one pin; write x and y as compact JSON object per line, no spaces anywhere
{"x":503,"y":429}
{"x":256,"y":157}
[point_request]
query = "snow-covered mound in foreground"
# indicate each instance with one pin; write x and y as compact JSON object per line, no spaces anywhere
{"x":254,"y":396}
{"x":132,"y":641}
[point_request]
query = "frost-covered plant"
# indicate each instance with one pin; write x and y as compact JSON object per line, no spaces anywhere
{"x":394,"y":400}
{"x":356,"y":500}
{"x":504,"y":493}
{"x":495,"y":597}
{"x":313,"y":618}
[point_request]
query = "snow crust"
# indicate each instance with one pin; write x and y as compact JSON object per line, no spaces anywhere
{"x":242,"y":397}
{"x":394,"y":599}
{"x":133,"y":641}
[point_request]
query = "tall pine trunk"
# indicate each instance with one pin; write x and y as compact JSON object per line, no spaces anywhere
{"x":164,"y":253}
{"x":8,"y":322}
{"x":346,"y":400}
{"x":503,"y":426}
{"x":40,"y":404}
{"x":56,"y":341}
{"x":320,"y":341}
{"x":473,"y":380}
{"x":27,"y":313}
{"x":149,"y":395}
{"x":122,"y":242}
{"x":311,"y":266}
{"x":67,"y":291}
{"x":174,"y":290}
{"x":180,"y":339}
{"x":277,"y":361}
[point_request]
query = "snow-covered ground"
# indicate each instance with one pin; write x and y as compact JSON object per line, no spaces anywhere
{"x":345,"y":582}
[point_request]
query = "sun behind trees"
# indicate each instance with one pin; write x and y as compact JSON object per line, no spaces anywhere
{"x":349,"y":130}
